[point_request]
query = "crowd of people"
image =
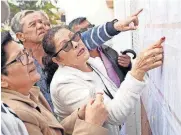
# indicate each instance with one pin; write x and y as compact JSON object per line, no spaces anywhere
{"x":64,"y":80}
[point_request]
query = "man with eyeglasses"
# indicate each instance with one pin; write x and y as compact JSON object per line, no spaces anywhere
{"x":80,"y":24}
{"x":29,"y":29}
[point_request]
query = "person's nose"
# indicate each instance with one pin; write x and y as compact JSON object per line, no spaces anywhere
{"x":75,"y":44}
{"x":47,"y":27}
{"x":40,"y":25}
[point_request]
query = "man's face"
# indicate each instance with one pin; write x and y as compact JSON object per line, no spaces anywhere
{"x":46,"y":22}
{"x":83,"y":26}
{"x":19,"y":75}
{"x":33,"y":28}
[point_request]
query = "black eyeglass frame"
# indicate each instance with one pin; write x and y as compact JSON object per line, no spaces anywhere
{"x":67,"y":43}
{"x":18,"y":59}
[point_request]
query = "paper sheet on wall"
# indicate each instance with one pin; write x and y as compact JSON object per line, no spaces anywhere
{"x":162,"y":97}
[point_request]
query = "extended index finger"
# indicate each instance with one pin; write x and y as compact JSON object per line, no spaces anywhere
{"x":157,"y":44}
{"x":138,"y":12}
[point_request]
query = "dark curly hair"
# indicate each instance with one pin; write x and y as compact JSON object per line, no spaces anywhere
{"x":49,"y":47}
{"x":5,"y":39}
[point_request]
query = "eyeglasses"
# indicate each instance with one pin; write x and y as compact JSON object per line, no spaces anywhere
{"x":22,"y":58}
{"x":68,"y":45}
{"x":90,"y":26}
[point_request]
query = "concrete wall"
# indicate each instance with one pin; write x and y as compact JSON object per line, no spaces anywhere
{"x":96,"y":11}
{"x":121,"y":42}
{"x":121,"y":11}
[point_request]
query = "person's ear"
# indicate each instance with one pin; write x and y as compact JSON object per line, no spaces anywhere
{"x":4,"y":83}
{"x":58,"y":60}
{"x":20,"y":36}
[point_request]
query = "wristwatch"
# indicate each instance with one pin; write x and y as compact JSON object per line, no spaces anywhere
{"x":113,"y":22}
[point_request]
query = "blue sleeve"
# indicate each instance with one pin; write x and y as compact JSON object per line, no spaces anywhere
{"x":96,"y":36}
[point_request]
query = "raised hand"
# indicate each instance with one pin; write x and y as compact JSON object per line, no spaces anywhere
{"x":131,"y":23}
{"x":149,"y":59}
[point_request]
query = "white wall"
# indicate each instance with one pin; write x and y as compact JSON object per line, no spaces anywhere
{"x":121,"y":11}
{"x":96,"y":11}
{"x":121,"y":42}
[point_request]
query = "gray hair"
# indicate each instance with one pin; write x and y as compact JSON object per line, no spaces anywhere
{"x":44,"y":14}
{"x":16,"y":24}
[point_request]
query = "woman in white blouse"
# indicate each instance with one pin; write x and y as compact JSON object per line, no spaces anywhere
{"x":79,"y":77}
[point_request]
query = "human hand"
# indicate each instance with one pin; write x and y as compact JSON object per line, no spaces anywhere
{"x":127,"y":24}
{"x":124,"y":60}
{"x":96,"y":112}
{"x":81,"y":112}
{"x":149,"y":59}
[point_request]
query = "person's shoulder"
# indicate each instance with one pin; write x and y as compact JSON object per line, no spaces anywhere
{"x":62,"y":76}
{"x":22,"y":110}
{"x":14,"y":104}
{"x":65,"y":73}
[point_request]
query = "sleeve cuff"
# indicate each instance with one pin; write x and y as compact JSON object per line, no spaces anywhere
{"x":137,"y":86}
{"x":110,"y":29}
{"x":90,"y":129}
{"x":69,"y":122}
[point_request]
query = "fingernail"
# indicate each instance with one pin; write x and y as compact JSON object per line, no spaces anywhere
{"x":163,"y":38}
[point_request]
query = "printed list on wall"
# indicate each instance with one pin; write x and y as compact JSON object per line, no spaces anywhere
{"x":162,"y":96}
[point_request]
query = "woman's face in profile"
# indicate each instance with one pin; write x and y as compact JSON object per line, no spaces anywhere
{"x":73,"y":52}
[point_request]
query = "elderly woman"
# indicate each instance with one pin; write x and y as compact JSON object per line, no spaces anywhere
{"x":18,"y":75}
{"x":79,"y":77}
